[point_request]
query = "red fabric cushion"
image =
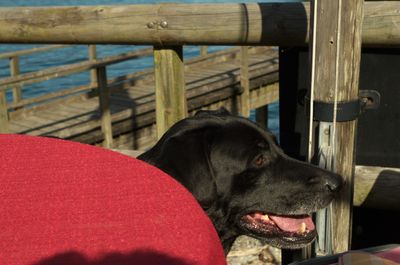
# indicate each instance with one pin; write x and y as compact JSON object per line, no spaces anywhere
{"x":68,"y":203}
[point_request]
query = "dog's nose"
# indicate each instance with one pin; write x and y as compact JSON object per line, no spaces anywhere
{"x":333,"y":182}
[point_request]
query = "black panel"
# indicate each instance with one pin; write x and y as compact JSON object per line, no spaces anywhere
{"x":378,"y":135}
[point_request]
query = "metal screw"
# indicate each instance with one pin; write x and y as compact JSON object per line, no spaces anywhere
{"x":151,"y":25}
{"x":164,"y":24}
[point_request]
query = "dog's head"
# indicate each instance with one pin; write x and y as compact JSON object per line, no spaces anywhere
{"x":243,"y":180}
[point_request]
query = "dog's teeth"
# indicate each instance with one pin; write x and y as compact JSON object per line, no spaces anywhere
{"x":302,"y":228}
{"x":265,"y":217}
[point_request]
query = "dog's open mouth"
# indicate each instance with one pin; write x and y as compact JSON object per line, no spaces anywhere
{"x":286,"y":231}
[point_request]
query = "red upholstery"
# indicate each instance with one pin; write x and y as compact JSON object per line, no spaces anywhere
{"x":68,"y":203}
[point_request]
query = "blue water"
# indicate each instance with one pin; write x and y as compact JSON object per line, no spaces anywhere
{"x":78,"y":53}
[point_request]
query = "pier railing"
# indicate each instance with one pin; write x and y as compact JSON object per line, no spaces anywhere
{"x":17,"y":80}
{"x":99,"y":84}
{"x":15,"y":65}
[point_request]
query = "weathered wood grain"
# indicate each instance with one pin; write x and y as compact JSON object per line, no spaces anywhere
{"x":280,"y":24}
{"x":377,"y":187}
{"x":336,"y":53}
{"x":170,"y":87}
{"x":92,"y":54}
{"x":244,"y":82}
{"x":46,"y":48}
{"x":4,"y":123}
{"x":14,"y":71}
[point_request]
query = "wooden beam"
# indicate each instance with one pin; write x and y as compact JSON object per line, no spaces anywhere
{"x":264,"y":93}
{"x":377,"y":187}
{"x":7,"y":55}
{"x":14,"y":71}
{"x":280,"y":24}
{"x":262,"y":116}
{"x":336,"y":53}
{"x":104,"y":98}
{"x":92,"y":57}
{"x":171,"y":103}
{"x":244,"y":82}
{"x":4,"y":127}
{"x":203,"y":50}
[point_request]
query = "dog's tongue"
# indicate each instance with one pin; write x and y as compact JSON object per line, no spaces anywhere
{"x":293,"y":223}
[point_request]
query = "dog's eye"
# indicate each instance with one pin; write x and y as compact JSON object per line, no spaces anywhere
{"x":260,"y":160}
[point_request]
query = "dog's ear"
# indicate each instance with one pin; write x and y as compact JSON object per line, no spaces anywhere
{"x":183,"y":153}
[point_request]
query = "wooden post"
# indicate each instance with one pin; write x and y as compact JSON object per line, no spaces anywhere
{"x":262,"y":116}
{"x":92,"y":57}
{"x":244,"y":81}
{"x":4,"y":128}
{"x":14,"y":71}
{"x":203,"y":50}
{"x":171,"y":103}
{"x":336,"y":50}
{"x":104,"y":98}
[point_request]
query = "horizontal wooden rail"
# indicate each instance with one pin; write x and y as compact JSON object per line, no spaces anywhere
{"x":177,"y":24}
{"x":377,"y":187}
{"x":7,"y":55}
{"x":50,"y":96}
{"x":60,"y":71}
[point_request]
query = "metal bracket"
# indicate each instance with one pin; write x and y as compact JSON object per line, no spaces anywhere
{"x":346,"y":111}
{"x":370,"y":99}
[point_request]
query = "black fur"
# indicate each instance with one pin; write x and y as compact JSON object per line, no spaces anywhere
{"x":233,"y":167}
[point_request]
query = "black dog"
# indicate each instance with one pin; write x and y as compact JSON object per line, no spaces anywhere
{"x":243,"y":180}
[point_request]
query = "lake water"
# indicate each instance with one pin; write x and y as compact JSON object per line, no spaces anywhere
{"x":79,"y":53}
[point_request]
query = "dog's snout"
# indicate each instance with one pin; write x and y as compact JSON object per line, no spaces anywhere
{"x":333,"y":182}
{"x":325,"y":180}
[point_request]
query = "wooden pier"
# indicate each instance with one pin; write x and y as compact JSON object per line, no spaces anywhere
{"x":211,"y":80}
